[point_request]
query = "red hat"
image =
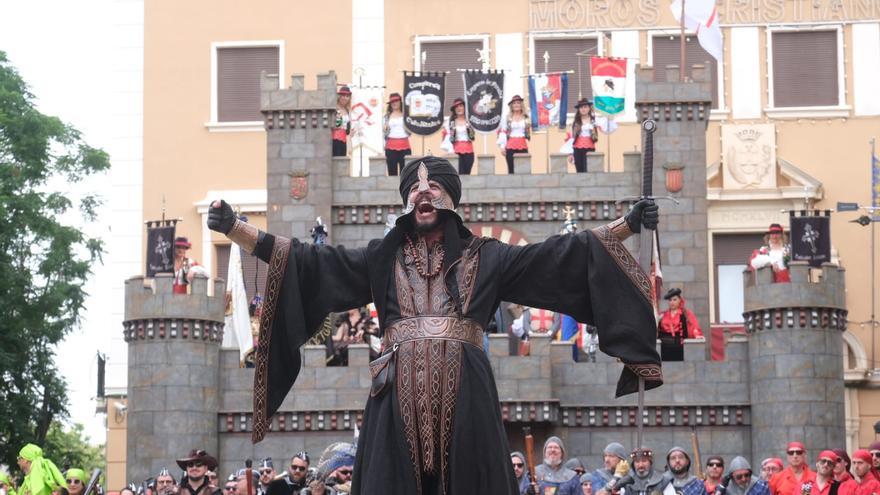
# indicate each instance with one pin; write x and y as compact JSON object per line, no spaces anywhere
{"x":775,"y":228}
{"x":182,"y":242}
{"x":514,"y":99}
{"x":793,"y":445}
{"x":828,"y":454}
{"x":773,"y":460}
{"x":394,"y":97}
{"x":863,"y":455}
{"x":456,"y":102}
{"x":874,"y":446}
{"x":343,"y":90}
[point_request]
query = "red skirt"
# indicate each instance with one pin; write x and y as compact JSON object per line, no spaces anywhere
{"x":339,"y":134}
{"x":517,"y":143}
{"x":463,"y":147}
{"x":397,"y":144}
{"x":584,"y":142}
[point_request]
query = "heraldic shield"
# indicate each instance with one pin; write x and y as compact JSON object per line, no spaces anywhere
{"x":299,"y":185}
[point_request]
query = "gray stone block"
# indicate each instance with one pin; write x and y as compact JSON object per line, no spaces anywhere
{"x":522,"y":163}
{"x":485,"y":164}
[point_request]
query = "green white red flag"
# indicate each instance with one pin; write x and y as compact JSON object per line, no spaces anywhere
{"x":608,"y":77}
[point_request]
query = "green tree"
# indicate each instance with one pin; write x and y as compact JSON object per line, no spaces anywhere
{"x":44,"y":263}
{"x":72,"y":447}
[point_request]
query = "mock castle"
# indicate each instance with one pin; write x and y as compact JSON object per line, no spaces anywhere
{"x":784,"y":381}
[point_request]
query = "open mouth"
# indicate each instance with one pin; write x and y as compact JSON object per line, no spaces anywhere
{"x":425,"y":207}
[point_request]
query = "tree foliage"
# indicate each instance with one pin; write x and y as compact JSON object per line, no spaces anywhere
{"x":71,"y":447}
{"x":44,"y":263}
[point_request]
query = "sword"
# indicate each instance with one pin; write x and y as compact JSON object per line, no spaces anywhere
{"x":646,"y":247}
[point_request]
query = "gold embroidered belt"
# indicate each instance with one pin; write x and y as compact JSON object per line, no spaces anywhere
{"x":434,"y":327}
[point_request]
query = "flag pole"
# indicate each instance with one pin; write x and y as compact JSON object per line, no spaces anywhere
{"x":873,"y":283}
{"x":681,"y":51}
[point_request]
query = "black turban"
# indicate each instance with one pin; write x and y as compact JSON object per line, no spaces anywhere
{"x":439,"y":170}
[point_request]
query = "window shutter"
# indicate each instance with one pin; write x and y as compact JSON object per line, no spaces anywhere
{"x":254,"y":271}
{"x":563,"y":57}
{"x":734,"y":249}
{"x":450,"y":56}
{"x":805,"y":69}
{"x":238,"y":81}
{"x":222,"y":258}
{"x":667,"y":52}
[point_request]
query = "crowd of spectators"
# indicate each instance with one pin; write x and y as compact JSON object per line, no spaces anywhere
{"x":639,"y":472}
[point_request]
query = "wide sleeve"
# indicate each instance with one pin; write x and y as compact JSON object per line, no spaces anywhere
{"x":693,"y":325}
{"x":592,"y":277}
{"x":304,"y":283}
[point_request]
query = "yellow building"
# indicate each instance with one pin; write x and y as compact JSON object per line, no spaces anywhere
{"x":795,"y":108}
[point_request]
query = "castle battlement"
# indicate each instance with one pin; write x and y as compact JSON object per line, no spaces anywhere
{"x":150,"y":299}
{"x":814,"y":297}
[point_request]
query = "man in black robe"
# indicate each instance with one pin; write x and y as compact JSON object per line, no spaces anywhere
{"x":432,"y":424}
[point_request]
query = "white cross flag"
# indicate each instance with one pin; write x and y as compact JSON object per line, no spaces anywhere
{"x":701,"y":16}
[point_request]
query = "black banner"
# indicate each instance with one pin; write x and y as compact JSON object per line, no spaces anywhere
{"x":160,"y":250}
{"x":484,"y":92}
{"x":423,"y":101}
{"x":811,"y":239}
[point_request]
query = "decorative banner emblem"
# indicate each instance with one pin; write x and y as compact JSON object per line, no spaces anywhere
{"x":608,"y":78}
{"x":299,"y":185}
{"x":674,"y":177}
{"x":811,"y":239}
{"x":423,"y":101}
{"x":548,"y":99}
{"x":160,"y":250}
{"x":483,"y":92}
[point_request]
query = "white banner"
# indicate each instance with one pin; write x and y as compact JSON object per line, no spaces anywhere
{"x":237,"y":331}
{"x":367,"y":108}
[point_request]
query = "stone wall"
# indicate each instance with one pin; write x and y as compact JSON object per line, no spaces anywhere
{"x":546,"y":390}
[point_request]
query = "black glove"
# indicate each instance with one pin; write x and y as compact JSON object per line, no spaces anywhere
{"x":221,"y":218}
{"x":646,"y":213}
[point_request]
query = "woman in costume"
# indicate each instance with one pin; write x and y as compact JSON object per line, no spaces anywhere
{"x":396,"y":135}
{"x":583,"y":133}
{"x":514,"y":135}
{"x":342,"y":124}
{"x":774,"y":253}
{"x":458,"y":137}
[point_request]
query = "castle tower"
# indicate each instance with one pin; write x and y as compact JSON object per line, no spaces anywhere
{"x":299,"y":180}
{"x":173,"y":352}
{"x":681,"y":111}
{"x":795,"y":357}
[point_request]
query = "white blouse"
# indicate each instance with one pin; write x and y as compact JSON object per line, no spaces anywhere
{"x":518,"y":128}
{"x":396,"y":129}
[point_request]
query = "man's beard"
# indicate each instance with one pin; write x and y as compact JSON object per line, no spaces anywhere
{"x":681,"y":470}
{"x":552,"y":463}
{"x":424,"y":228}
{"x":645,"y":473}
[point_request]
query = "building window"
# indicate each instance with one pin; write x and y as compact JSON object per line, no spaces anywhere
{"x":667,"y":51}
{"x":805,"y":68}
{"x":563,"y":56}
{"x":449,"y":56}
{"x":731,"y":254}
{"x":254,"y":270}
{"x":238,"y":80}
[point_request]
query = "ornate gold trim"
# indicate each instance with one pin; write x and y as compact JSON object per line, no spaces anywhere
{"x":245,"y":235}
